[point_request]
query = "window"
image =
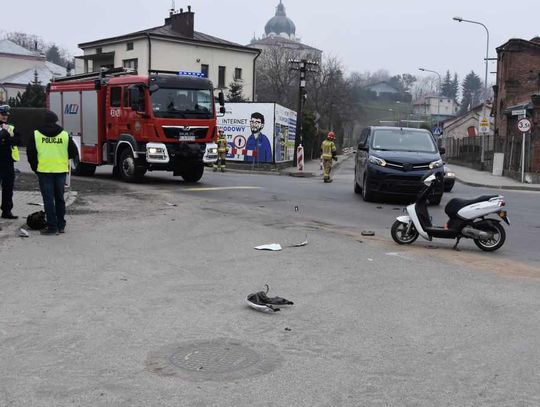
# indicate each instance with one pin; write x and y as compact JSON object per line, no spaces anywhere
{"x":237,"y":74}
{"x":99,"y":50}
{"x":126,"y":97}
{"x":130,"y":63}
{"x":221,"y":77}
{"x":204,"y":69}
{"x":116,"y":96}
{"x":129,"y":46}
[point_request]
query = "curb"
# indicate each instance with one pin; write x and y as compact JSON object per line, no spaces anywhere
{"x":507,"y":187}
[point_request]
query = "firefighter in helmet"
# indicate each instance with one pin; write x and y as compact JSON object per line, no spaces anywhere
{"x":9,"y":154}
{"x":222,"y":149}
{"x":328,"y":153}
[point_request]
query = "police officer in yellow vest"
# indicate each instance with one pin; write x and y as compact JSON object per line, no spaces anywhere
{"x":9,"y":153}
{"x":222,"y":150}
{"x":328,"y":153}
{"x":49,"y":151}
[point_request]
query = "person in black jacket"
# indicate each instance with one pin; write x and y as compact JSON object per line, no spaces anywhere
{"x":48,"y":158}
{"x":9,"y":139}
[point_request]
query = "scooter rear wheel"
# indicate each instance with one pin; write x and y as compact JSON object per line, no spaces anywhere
{"x":498,"y":239}
{"x":400,"y":235}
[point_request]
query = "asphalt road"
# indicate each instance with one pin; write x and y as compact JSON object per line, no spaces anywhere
{"x":142,"y":303}
{"x":336,"y":204}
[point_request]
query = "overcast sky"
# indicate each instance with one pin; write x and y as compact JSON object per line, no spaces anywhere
{"x":395,"y":35}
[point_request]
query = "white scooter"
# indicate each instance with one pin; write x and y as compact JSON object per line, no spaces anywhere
{"x":466,"y":218}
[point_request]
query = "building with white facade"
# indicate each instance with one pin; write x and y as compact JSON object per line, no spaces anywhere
{"x":433,"y":105}
{"x":174,"y":46}
{"x":19,"y":67}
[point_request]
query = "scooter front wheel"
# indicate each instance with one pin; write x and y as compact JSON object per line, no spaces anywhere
{"x":401,"y":235}
{"x":496,"y":241}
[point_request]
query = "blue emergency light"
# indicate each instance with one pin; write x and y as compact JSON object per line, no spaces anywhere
{"x":187,"y":73}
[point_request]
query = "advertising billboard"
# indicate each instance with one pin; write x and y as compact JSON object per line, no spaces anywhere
{"x":258,"y":133}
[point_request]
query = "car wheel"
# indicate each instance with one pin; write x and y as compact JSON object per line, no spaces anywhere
{"x":357,"y":189}
{"x":82,"y":169}
{"x":128,"y":168}
{"x":448,"y":187}
{"x":194,"y":172}
{"x":366,"y":193}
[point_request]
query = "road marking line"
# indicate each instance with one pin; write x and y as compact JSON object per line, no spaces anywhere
{"x":217,"y":188}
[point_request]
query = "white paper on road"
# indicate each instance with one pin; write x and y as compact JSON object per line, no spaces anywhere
{"x":270,"y":246}
{"x":23,"y":233}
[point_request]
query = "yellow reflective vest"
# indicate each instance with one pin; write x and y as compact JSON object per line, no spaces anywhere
{"x":52,"y":152}
{"x":14,"y":149}
{"x":327,"y":148}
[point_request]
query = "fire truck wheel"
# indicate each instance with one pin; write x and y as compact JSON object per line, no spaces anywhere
{"x":82,"y":169}
{"x":128,"y":168}
{"x":194,"y":172}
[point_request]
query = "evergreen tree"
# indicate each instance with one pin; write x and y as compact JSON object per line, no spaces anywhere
{"x":472,"y":89}
{"x":235,"y":92}
{"x":455,"y":87}
{"x":450,"y":87}
{"x":446,"y":87}
{"x":33,"y":96}
{"x":53,"y":55}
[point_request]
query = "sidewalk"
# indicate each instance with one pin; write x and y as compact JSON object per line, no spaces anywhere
{"x":313,"y":168}
{"x":475,"y":178}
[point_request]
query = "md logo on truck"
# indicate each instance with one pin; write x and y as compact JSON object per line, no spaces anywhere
{"x":71,"y":109}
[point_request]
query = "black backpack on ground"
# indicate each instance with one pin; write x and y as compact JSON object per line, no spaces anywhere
{"x":36,"y":220}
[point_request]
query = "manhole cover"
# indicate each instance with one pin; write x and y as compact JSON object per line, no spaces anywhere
{"x":219,"y":359}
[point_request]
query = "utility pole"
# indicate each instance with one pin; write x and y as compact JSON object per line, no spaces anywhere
{"x":303,"y":66}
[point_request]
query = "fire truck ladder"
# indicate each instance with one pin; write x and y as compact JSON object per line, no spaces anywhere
{"x":103,"y":73}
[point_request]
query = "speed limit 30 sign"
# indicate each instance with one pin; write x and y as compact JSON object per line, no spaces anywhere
{"x":524,"y":125}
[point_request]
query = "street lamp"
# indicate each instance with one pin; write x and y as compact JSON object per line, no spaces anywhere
{"x":438,"y":93}
{"x":459,"y":19}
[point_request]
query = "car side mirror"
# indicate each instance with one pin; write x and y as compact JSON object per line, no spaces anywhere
{"x":221,"y":99}
{"x":362,"y":147}
{"x":442,"y":150}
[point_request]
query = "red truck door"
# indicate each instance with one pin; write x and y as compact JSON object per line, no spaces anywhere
{"x":116,"y":114}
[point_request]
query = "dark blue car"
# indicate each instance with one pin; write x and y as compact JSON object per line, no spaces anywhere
{"x":391,"y":161}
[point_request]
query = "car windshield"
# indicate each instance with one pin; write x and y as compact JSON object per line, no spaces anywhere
{"x":403,"y":140}
{"x":174,"y":103}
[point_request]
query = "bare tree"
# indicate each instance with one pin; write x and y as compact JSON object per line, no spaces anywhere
{"x":275,"y":81}
{"x":31,"y":42}
{"x":427,"y":85}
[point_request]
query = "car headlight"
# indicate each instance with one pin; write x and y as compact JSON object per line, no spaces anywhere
{"x":211,"y":151}
{"x":436,"y":164}
{"x":377,"y":161}
{"x":155,"y":150}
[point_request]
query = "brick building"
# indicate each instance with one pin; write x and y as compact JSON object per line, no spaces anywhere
{"x":518,"y":88}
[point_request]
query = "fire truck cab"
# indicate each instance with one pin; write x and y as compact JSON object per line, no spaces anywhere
{"x":137,"y":123}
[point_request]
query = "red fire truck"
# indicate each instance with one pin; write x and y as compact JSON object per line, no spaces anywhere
{"x":137,"y":123}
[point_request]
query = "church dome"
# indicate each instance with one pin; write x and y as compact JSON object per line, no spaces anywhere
{"x":280,"y":24}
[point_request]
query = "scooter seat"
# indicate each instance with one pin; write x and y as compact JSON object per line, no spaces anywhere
{"x":455,"y":204}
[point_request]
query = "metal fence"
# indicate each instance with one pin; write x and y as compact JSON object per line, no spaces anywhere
{"x":475,"y":152}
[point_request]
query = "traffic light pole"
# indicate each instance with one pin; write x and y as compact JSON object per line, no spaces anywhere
{"x":303,"y":66}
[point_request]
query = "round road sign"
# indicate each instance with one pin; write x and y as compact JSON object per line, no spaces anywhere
{"x":239,"y":141}
{"x":524,"y":125}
